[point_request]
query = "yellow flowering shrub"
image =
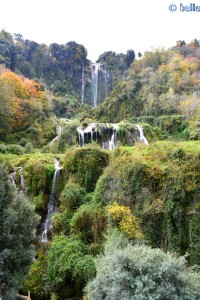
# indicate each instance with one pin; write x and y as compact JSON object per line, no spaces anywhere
{"x":125,"y":220}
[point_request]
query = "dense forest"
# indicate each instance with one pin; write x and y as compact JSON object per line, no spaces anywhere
{"x":99,"y":172}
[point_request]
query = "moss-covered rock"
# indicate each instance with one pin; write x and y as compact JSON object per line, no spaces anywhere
{"x":85,"y":165}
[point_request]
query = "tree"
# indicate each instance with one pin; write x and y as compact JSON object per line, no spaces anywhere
{"x":130,"y":57}
{"x":17,"y":226}
{"x":69,"y":266}
{"x":141,"y":273}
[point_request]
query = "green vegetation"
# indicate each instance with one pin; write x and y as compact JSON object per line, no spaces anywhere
{"x":139,"y":272}
{"x":18,"y":223}
{"x":120,"y":215}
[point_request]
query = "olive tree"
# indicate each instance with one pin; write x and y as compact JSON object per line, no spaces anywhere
{"x":138,"y":272}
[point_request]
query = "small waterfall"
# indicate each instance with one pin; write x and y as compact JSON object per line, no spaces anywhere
{"x":81,"y":137}
{"x":142,"y":137}
{"x":113,"y":140}
{"x":14,"y":178}
{"x":83,"y":83}
{"x":58,"y":133}
{"x":52,"y":203}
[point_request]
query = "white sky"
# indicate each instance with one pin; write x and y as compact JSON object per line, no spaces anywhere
{"x":101,"y":25}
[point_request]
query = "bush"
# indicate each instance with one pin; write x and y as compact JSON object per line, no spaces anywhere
{"x":85,"y":165}
{"x":72,"y":267}
{"x":3,"y":149}
{"x":72,"y":196}
{"x":12,"y":149}
{"x":140,"y":272}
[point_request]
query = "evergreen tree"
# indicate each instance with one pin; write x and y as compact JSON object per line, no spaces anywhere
{"x":17,"y":226}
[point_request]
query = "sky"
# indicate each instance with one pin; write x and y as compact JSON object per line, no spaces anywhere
{"x":102,"y":25}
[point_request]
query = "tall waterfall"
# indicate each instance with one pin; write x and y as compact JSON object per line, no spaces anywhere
{"x":95,"y":75}
{"x":106,"y":79}
{"x":101,"y":83}
{"x":83,"y":83}
{"x":52,"y":203}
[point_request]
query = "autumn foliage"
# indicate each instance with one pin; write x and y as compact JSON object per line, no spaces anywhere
{"x":22,"y":102}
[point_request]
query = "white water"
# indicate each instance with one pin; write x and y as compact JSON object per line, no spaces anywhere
{"x":106,"y":77}
{"x":14,"y":180}
{"x":83,"y":83}
{"x":95,"y":74}
{"x":107,"y":133}
{"x":81,"y":136}
{"x":52,"y":203}
{"x":142,"y":137}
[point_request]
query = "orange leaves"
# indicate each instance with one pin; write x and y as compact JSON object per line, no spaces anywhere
{"x":27,"y":100}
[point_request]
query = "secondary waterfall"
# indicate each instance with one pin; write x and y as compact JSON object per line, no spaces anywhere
{"x":17,"y":177}
{"x":142,"y":137}
{"x":52,"y":203}
{"x":108,"y":135}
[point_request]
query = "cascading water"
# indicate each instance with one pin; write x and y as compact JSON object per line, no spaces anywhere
{"x":52,"y":203}
{"x":106,"y":80}
{"x":21,"y":183}
{"x":83,"y":83}
{"x":95,"y":75}
{"x":106,"y":134}
{"x":142,"y":137}
{"x":101,"y":83}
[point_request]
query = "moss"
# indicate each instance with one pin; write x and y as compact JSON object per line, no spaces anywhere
{"x":85,"y":165}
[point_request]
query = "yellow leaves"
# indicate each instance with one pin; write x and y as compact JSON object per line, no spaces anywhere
{"x":27,"y":99}
{"x":190,"y":105}
{"x":125,"y":220}
{"x":14,"y":82}
{"x":23,"y":87}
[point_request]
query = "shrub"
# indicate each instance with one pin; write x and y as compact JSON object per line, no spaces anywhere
{"x":140,"y":272}
{"x":72,"y":196}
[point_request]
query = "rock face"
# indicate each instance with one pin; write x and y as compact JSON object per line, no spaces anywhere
{"x":110,"y":135}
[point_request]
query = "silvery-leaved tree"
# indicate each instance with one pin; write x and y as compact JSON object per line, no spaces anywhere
{"x":138,"y":272}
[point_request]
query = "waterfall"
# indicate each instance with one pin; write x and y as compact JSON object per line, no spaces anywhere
{"x":106,"y":76}
{"x":52,"y":203}
{"x":106,"y":134}
{"x":81,"y":137}
{"x":14,"y":178}
{"x":93,"y":131}
{"x":101,"y":83}
{"x":113,"y":140}
{"x":83,"y":83}
{"x":95,"y":75}
{"x":142,"y":137}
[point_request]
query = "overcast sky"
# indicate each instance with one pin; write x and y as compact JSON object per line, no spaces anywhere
{"x":101,"y":25}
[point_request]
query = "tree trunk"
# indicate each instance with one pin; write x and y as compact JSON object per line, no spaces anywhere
{"x":24,"y":297}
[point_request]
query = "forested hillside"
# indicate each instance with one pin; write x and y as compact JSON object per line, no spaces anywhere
{"x":99,"y":172}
